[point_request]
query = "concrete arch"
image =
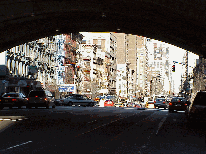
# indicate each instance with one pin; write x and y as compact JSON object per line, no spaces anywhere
{"x":181,"y":23}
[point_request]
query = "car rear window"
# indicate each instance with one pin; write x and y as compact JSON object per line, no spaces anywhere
{"x":150,"y":103}
{"x":178,"y":99}
{"x":37,"y":93}
{"x":200,"y":99}
{"x":11,"y":95}
{"x":160,"y":100}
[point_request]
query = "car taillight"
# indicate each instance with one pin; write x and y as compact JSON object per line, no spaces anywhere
{"x":170,"y":103}
{"x":163,"y":102}
{"x":154,"y":101}
{"x":36,"y":96}
{"x":45,"y":99}
{"x":185,"y":104}
{"x":13,"y":99}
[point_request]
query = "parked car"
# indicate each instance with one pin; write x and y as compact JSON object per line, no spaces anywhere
{"x":178,"y":104}
{"x":13,"y":99}
{"x":196,"y":111}
{"x":160,"y":103}
{"x":78,"y":99}
{"x":40,"y":99}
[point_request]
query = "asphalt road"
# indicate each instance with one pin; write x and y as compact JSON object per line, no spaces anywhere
{"x":98,"y":130}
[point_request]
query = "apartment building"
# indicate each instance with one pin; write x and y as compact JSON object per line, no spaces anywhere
{"x":131,"y":54}
{"x":159,"y":78}
{"x":142,"y":67}
{"x":100,"y":52}
{"x":32,"y":66}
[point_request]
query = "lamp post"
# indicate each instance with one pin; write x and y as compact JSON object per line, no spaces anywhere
{"x":127,"y":73}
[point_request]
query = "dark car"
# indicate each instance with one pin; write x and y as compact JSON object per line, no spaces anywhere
{"x":80,"y":100}
{"x":58,"y":102}
{"x":13,"y":99}
{"x":160,"y":103}
{"x":40,"y":99}
{"x":178,"y":104}
{"x":196,"y":111}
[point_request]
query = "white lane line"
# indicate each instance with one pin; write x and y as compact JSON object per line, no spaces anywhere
{"x":17,"y":145}
{"x":160,"y":124}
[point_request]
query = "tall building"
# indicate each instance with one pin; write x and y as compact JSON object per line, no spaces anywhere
{"x":159,"y":78}
{"x":131,"y":48}
{"x":104,"y":55}
{"x":142,"y":67}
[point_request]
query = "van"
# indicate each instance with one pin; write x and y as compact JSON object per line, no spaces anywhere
{"x":40,"y":99}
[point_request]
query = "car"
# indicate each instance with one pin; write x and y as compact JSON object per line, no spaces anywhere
{"x":80,"y":100}
{"x":160,"y":103}
{"x":108,"y":102}
{"x":13,"y":99}
{"x":122,"y":100}
{"x":178,"y":104}
{"x":196,"y":111}
{"x":137,"y":105}
{"x":58,"y":102}
{"x":40,"y":99}
{"x":150,"y":104}
{"x":143,"y":104}
{"x":119,"y":104}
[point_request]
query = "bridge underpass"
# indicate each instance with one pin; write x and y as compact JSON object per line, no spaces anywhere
{"x":175,"y":22}
{"x":181,"y":23}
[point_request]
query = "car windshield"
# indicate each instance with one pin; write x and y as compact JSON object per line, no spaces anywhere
{"x":37,"y":93}
{"x":11,"y":95}
{"x":200,"y":99}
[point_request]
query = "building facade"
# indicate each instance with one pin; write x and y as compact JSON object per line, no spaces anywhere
{"x":98,"y":52}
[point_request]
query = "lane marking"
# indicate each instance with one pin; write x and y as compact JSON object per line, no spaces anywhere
{"x":160,"y":124}
{"x":17,"y":145}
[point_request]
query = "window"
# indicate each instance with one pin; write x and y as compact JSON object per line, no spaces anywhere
{"x":11,"y":95}
{"x":37,"y":93}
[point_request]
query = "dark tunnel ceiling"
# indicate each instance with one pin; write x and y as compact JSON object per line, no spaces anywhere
{"x":178,"y":23}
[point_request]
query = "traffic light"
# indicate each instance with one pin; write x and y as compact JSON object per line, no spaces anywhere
{"x":173,"y":68}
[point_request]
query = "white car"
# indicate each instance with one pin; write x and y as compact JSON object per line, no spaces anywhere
{"x":150,"y":104}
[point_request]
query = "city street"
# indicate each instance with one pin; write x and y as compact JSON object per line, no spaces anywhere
{"x":98,"y":130}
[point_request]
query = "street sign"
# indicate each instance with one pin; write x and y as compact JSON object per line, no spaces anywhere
{"x":68,"y":88}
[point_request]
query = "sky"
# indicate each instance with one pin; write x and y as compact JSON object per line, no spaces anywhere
{"x":177,"y":54}
{"x":2,"y":58}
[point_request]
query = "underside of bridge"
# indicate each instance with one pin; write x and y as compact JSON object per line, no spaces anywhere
{"x":181,"y":23}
